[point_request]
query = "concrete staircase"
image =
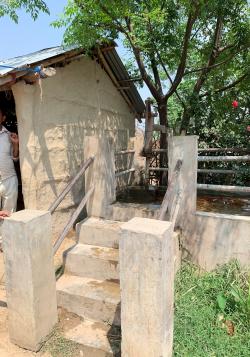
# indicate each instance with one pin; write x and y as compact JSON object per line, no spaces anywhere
{"x":90,"y":287}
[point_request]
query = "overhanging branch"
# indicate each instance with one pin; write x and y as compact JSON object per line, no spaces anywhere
{"x":229,"y":86}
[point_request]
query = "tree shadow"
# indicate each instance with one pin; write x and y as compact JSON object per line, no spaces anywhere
{"x":114,"y":334}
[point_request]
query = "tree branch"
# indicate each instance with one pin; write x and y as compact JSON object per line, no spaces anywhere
{"x":153,"y":60}
{"x":222,"y":49}
{"x":182,"y":65}
{"x":169,"y":78}
{"x":140,"y":62}
{"x":229,"y":86}
{"x":150,"y":29}
{"x":114,"y":19}
{"x":210,"y":67}
{"x":213,"y":55}
{"x":156,"y":74}
{"x":197,"y":87}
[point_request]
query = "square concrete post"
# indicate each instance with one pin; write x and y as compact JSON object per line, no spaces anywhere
{"x":186,"y":149}
{"x":147,"y":288}
{"x":101,"y":174}
{"x":30,"y":277}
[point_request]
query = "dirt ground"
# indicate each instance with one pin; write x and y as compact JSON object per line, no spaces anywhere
{"x":7,"y":349}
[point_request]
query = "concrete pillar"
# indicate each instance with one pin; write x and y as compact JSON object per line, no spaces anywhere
{"x":30,"y":277}
{"x":147,"y":287}
{"x":186,"y":149}
{"x":101,"y":174}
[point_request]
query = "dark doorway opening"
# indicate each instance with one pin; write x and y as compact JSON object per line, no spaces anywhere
{"x":7,"y":102}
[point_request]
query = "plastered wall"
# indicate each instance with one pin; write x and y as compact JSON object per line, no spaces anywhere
{"x":54,"y":115}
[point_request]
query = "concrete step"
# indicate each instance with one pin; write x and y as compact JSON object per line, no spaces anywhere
{"x":92,"y":261}
{"x":100,"y":232}
{"x":96,"y":339}
{"x":122,"y":211}
{"x":92,"y":299}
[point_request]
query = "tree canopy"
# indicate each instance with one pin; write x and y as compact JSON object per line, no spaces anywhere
{"x":189,"y":51}
{"x":193,"y":55}
{"x":33,"y":7}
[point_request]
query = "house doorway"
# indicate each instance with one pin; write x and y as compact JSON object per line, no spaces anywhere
{"x":7,"y":102}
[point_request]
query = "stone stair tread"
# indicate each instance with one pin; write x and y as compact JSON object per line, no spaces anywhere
{"x":102,"y":223}
{"x":93,"y":335}
{"x":110,"y":254}
{"x":103,"y":290}
{"x":100,"y":232}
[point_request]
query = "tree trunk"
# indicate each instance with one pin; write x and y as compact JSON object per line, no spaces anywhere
{"x":185,"y":121}
{"x":162,"y":109}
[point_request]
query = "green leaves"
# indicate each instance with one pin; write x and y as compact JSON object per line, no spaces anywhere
{"x":235,"y":299}
{"x":242,"y":300}
{"x":33,"y":7}
{"x":222,"y":301}
{"x":154,"y":33}
{"x":201,"y":328}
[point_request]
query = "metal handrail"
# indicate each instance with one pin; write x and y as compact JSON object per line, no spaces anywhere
{"x":173,"y":214}
{"x":224,"y":158}
{"x":124,"y":152}
{"x":72,"y":220}
{"x":66,"y":190}
{"x":224,"y":188}
{"x":167,"y":196}
{"x":80,"y":207}
{"x":247,"y":150}
{"x":121,"y":173}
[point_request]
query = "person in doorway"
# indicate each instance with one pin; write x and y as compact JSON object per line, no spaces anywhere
{"x":9,"y":152}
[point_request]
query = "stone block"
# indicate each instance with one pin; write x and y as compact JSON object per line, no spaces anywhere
{"x":186,"y":149}
{"x":101,"y":175}
{"x":95,"y":231}
{"x":92,"y":261}
{"x":147,"y":287}
{"x":97,"y":300}
{"x":30,"y":277}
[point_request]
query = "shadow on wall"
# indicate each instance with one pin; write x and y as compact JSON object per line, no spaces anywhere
{"x":61,"y":120}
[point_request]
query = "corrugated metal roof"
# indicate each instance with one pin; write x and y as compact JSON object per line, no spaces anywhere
{"x":112,"y":58}
{"x":31,"y":58}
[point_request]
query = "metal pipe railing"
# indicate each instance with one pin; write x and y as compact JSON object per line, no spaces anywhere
{"x":169,"y":192}
{"x":69,"y":186}
{"x":224,"y":158}
{"x":217,"y":171}
{"x":225,"y":188}
{"x":72,"y":219}
{"x":238,"y":150}
{"x":174,"y":211}
{"x":157,"y":168}
{"x":124,"y":152}
{"x":121,"y":173}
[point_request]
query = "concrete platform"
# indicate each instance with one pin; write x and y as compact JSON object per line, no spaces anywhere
{"x":92,"y":261}
{"x":92,"y":299}
{"x":96,"y":231}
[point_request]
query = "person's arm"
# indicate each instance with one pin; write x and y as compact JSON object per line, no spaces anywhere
{"x":4,"y":214}
{"x":15,"y":144}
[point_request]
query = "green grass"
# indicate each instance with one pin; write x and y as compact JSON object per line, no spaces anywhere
{"x":199,"y":329}
{"x":58,"y":346}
